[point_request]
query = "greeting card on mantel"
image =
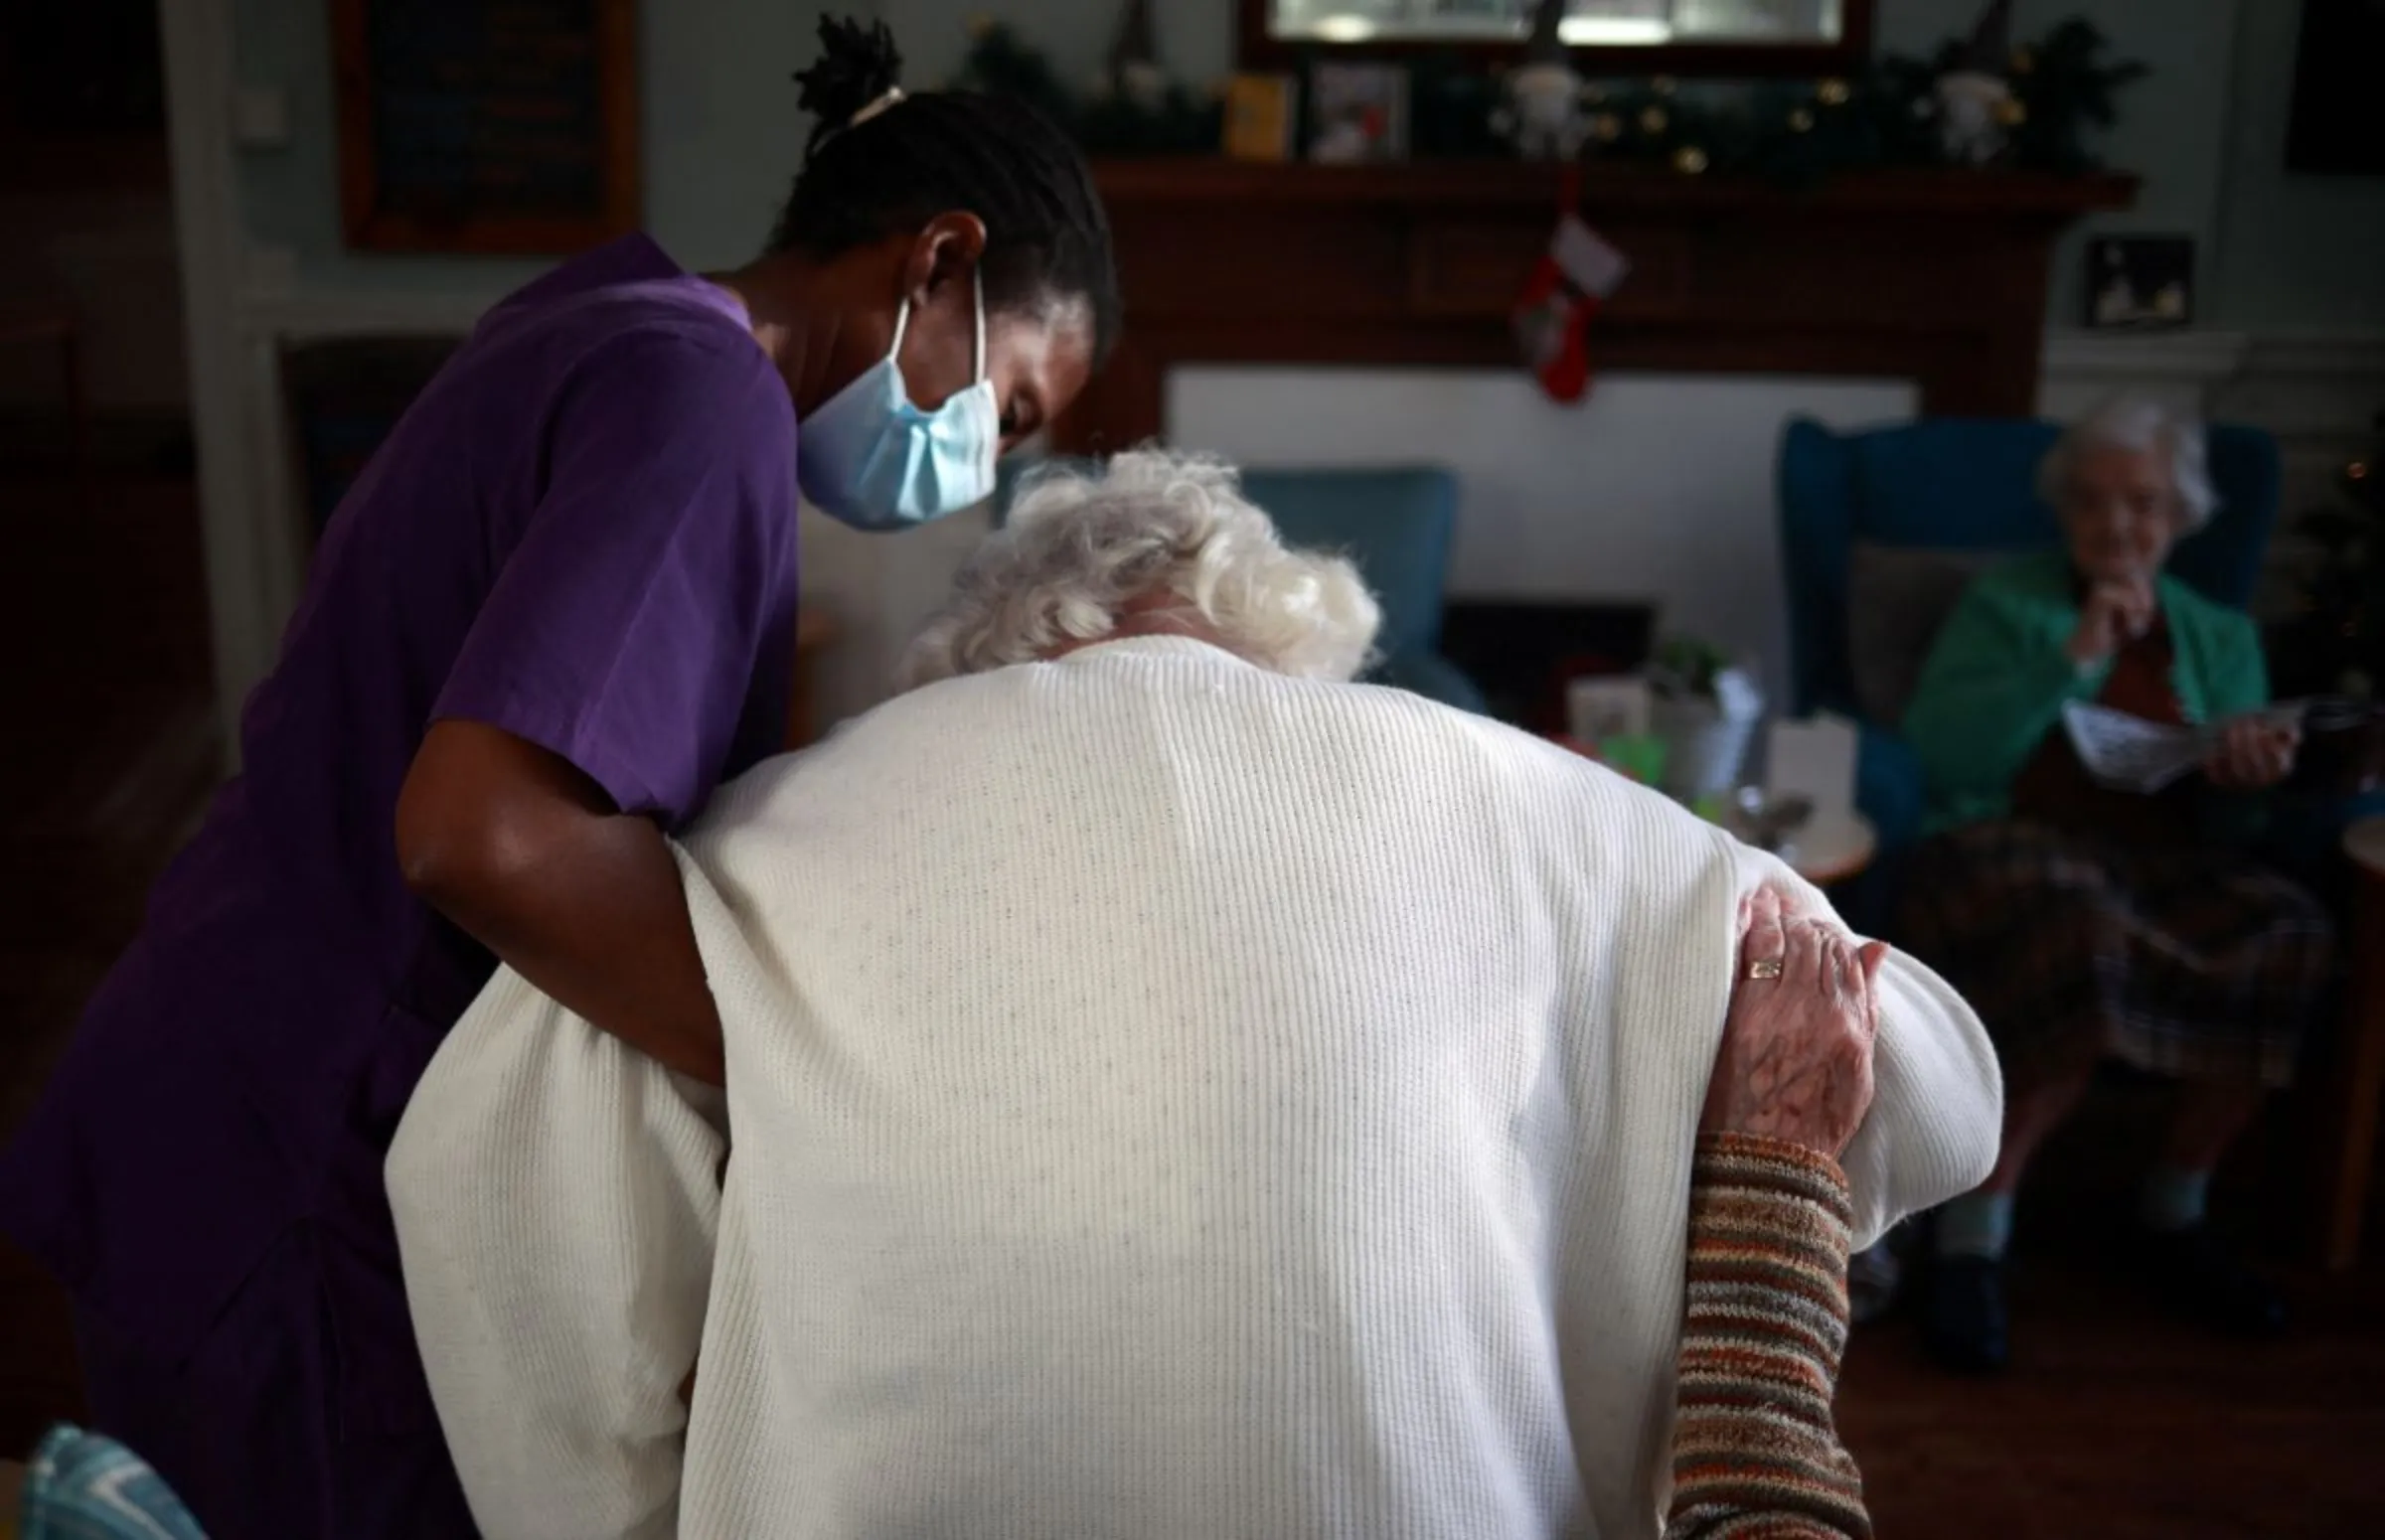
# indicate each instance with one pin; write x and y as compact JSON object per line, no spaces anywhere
{"x":1816,"y":760}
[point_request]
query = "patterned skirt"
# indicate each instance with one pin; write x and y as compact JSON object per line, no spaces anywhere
{"x":2187,"y":961}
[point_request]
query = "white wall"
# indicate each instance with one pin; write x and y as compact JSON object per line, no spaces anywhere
{"x":880,"y":589}
{"x":1658,"y":489}
{"x":2294,"y":251}
{"x":720,"y":138}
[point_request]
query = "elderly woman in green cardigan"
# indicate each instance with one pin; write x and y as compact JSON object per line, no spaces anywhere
{"x":2088,"y":924}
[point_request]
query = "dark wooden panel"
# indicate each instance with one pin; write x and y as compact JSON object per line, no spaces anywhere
{"x":1248,"y":187}
{"x":2346,"y":1126}
{"x":1295,"y":264}
{"x":1937,"y":277}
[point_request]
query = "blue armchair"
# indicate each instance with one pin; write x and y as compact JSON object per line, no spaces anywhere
{"x":1957,"y":486}
{"x":1396,"y":524}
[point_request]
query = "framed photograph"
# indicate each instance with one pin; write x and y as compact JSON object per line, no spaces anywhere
{"x":1260,"y":116}
{"x":2141,"y":282}
{"x":1358,"y":113}
{"x":1603,"y":706}
{"x":2335,"y":128}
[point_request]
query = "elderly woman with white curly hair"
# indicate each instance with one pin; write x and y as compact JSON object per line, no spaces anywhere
{"x":1179,"y":1092}
{"x":2089,"y":924}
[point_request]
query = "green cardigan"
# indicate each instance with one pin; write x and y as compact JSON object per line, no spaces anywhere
{"x":1998,"y":676}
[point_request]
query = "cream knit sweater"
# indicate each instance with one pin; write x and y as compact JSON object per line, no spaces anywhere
{"x":1170,"y":1099}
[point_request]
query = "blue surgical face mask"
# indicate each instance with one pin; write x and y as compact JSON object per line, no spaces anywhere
{"x":870,"y":459}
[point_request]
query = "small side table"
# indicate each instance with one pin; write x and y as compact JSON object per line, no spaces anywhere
{"x":2355,"y":1077}
{"x":1835,"y":848}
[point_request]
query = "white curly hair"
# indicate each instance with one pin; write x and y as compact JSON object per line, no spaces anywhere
{"x":2135,"y":423}
{"x":1082,"y":549}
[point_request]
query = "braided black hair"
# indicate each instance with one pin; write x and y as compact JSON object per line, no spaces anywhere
{"x":1046,"y":233}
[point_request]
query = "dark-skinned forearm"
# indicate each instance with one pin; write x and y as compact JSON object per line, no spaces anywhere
{"x":526,"y":854}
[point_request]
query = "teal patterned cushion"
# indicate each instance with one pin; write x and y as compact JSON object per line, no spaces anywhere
{"x":83,"y":1487}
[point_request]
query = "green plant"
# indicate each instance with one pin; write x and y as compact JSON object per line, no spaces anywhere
{"x":1173,"y":120}
{"x":1684,"y":668}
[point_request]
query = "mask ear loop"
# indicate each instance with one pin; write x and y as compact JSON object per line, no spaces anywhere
{"x":977,"y":275}
{"x":902,"y":319}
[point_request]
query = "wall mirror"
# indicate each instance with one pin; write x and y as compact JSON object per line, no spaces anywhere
{"x":1620,"y":37}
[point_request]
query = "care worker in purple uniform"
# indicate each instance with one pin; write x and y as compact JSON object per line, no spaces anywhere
{"x":553,"y":614}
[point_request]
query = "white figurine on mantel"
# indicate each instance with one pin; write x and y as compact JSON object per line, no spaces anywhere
{"x":1976,"y":101}
{"x":1544,"y":112}
{"x":1132,"y":70}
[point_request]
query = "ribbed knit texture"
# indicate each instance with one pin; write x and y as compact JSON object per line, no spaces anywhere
{"x":1170,"y":1100}
{"x":1755,"y":1449}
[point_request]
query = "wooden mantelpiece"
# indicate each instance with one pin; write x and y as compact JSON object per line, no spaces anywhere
{"x":1936,"y":276}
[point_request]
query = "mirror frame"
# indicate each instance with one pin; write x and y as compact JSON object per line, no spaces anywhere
{"x":1257,"y":52}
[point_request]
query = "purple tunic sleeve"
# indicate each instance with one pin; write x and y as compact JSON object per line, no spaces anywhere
{"x":652,"y":589}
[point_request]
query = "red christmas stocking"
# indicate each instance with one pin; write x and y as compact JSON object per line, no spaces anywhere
{"x":1552,"y":316}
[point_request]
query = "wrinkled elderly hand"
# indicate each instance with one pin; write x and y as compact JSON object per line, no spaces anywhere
{"x":2114,"y":615}
{"x":1795,"y":1060}
{"x":2253,"y":753}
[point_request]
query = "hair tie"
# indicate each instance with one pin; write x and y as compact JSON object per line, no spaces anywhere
{"x":871,"y":109}
{"x":863,"y":115}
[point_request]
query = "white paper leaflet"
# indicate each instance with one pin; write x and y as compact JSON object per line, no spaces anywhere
{"x":2130,"y":754}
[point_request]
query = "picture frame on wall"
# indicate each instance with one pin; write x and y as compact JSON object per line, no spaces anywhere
{"x":1358,"y":113}
{"x":2140,"y":282}
{"x":467,"y":128}
{"x":1261,"y":116}
{"x":1600,"y":707}
{"x":2333,"y":128}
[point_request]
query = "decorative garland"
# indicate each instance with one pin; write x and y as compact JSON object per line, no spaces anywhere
{"x":2061,"y":86}
{"x":1131,"y":117}
{"x":2337,"y":639}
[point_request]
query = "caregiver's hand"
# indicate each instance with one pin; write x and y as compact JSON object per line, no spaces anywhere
{"x":531,"y":857}
{"x":1795,"y":1060}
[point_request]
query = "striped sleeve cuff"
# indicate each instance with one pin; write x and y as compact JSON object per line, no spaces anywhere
{"x":1755,"y":1448}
